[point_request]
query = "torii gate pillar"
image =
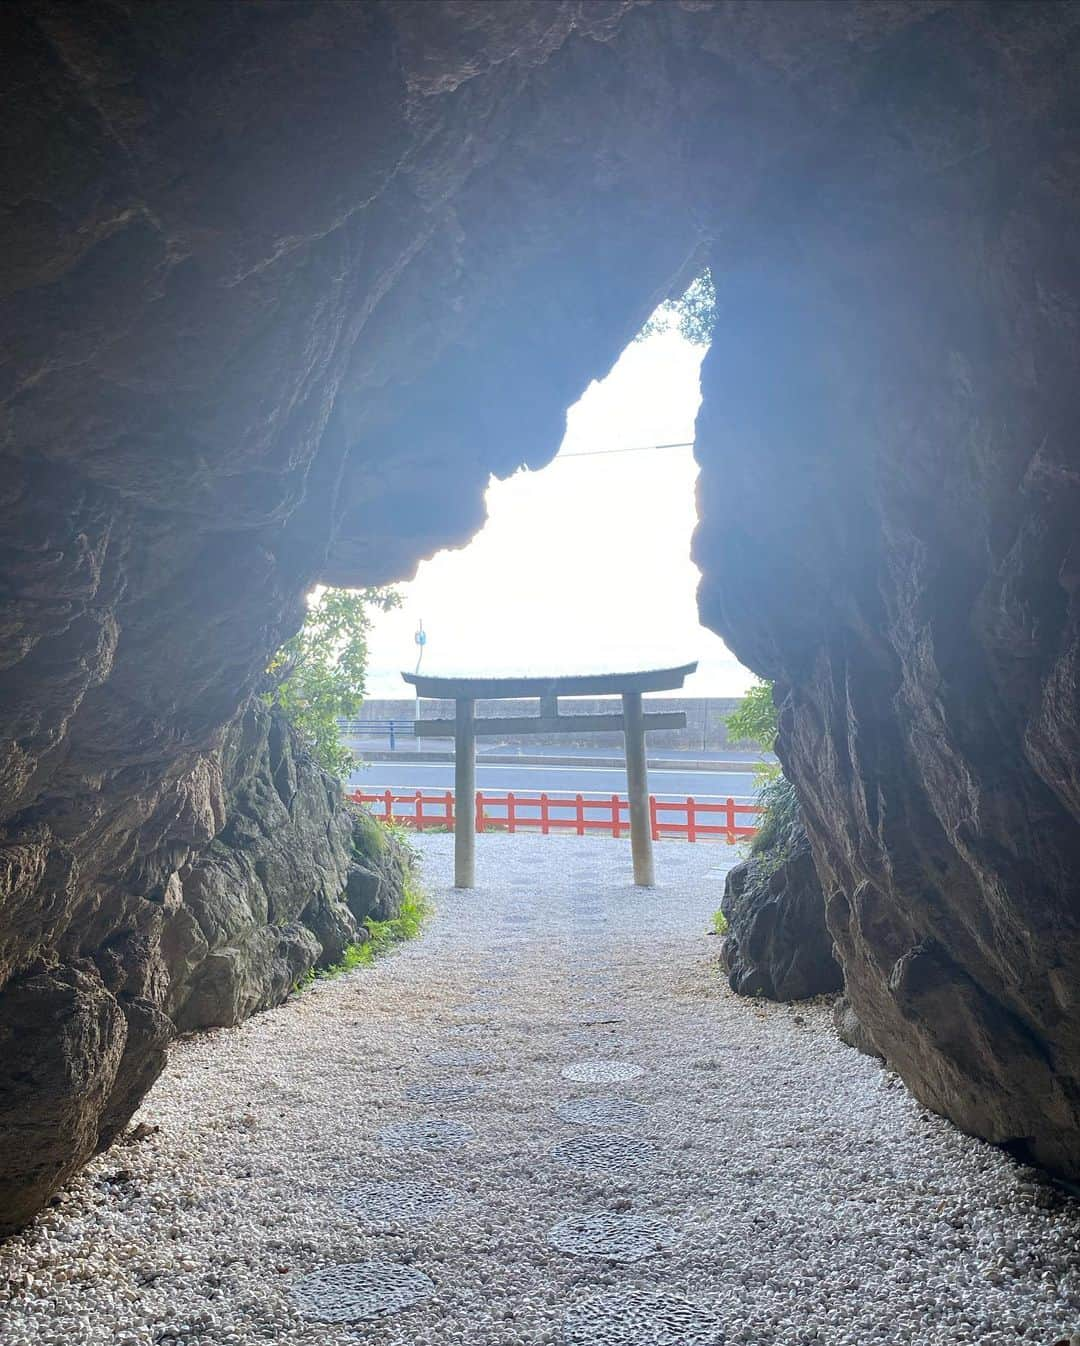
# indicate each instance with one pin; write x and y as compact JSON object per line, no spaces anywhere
{"x":637,"y":790}
{"x":464,"y":793}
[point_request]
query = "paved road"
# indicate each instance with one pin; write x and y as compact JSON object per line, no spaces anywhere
{"x":407,"y":743}
{"x":562,"y":779}
{"x":615,"y":750}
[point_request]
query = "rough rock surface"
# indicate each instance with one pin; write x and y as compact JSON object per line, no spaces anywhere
{"x":777,"y":944}
{"x":284,"y":886}
{"x":283,"y":284}
{"x":850,"y":1028}
{"x":892,"y":398}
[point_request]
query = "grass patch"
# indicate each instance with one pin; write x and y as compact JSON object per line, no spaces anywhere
{"x":382,"y":936}
{"x":719,"y":923}
{"x":781,"y":826}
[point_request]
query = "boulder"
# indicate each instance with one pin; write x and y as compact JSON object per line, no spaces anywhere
{"x":284,"y":886}
{"x":378,"y":871}
{"x":850,"y":1028}
{"x":62,"y":1041}
{"x":777,"y":944}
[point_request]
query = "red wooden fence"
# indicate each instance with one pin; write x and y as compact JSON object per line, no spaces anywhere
{"x":694,"y":819}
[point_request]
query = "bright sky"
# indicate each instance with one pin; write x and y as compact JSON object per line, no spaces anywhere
{"x":585,"y":565}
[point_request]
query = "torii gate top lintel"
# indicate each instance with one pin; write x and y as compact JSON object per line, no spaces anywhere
{"x":633,"y":722}
{"x":487,"y":688}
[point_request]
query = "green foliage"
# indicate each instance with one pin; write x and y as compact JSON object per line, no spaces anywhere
{"x":755,"y":717}
{"x":719,"y":921}
{"x":693,"y":314}
{"x":780,"y":823}
{"x":318,"y":675}
{"x":407,"y":924}
{"x":382,"y":936}
{"x":404,"y":838}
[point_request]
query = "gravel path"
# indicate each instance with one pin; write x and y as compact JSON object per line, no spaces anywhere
{"x":545,"y":1121}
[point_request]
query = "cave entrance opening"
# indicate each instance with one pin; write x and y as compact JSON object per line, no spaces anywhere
{"x":584,"y":563}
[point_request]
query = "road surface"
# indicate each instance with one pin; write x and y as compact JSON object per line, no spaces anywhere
{"x":405,"y":743}
{"x":665,"y":784}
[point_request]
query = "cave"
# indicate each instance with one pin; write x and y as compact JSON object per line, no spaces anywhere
{"x":285,"y":284}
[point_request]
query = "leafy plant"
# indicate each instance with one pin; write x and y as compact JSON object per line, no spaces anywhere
{"x":318,"y":676}
{"x":407,"y":924}
{"x":404,"y":838}
{"x":693,"y":314}
{"x":781,"y":825}
{"x":755,"y":717}
{"x":382,"y":936}
{"x":719,"y":922}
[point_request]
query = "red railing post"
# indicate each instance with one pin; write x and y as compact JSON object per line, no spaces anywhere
{"x":545,"y":821}
{"x":580,"y":815}
{"x":479,"y":810}
{"x":730,"y":820}
{"x":418,"y":812}
{"x":388,"y":806}
{"x":691,"y":820}
{"x":654,"y":825}
{"x":511,"y":820}
{"x":616,"y":804}
{"x":450,"y":809}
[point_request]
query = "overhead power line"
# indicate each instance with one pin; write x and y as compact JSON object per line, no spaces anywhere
{"x":635,"y":448}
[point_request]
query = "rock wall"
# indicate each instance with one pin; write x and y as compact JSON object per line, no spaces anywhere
{"x":282,"y":284}
{"x":284,"y":886}
{"x":851,"y":1029}
{"x":893,"y":398}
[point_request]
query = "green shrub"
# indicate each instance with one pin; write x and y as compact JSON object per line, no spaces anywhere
{"x":370,"y":835}
{"x":720,"y":923}
{"x":756,"y":718}
{"x":404,"y":838}
{"x":318,"y":676}
{"x":781,"y":824}
{"x":693,"y":313}
{"x":382,"y":936}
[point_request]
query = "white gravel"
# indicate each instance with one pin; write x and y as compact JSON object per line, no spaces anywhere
{"x":786,"y":1189}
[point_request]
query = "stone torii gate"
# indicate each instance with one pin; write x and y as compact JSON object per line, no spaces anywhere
{"x":634,"y":723}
